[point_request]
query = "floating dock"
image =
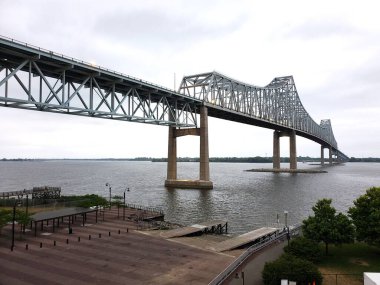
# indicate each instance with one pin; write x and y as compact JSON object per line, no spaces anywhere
{"x":208,"y":227}
{"x":245,"y":239}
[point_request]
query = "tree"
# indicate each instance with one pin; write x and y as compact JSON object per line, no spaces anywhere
{"x":292,"y":268}
{"x":22,"y":219}
{"x":5,"y":217}
{"x":302,"y":247}
{"x":327,"y":226}
{"x":366,"y":216}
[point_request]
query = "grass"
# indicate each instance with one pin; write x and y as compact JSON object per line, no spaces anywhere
{"x":349,"y":259}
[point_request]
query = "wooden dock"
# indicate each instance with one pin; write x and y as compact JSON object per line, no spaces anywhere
{"x":211,"y":226}
{"x":244,"y":239}
{"x":44,"y":192}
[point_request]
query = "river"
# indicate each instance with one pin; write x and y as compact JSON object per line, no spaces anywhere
{"x":248,"y":200}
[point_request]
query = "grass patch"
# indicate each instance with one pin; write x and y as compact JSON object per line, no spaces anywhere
{"x":349,"y":259}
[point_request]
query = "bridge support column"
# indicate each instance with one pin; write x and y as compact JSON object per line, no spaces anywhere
{"x":172,"y":155}
{"x":322,"y":155}
{"x":276,"y":150}
{"x":293,"y":150}
{"x":204,"y":169}
{"x":330,"y":155}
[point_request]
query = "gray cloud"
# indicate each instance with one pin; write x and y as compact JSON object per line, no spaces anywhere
{"x":312,"y":29}
{"x":150,"y":29}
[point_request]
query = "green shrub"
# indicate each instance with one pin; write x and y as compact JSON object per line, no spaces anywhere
{"x":292,"y":268}
{"x":366,"y":216}
{"x":304,"y":248}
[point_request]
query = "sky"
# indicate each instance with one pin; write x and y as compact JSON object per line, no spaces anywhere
{"x":332,"y":49}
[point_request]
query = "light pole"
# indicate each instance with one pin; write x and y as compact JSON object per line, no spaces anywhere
{"x":286,"y":226}
{"x":286,"y":218}
{"x":27,"y":203}
{"x":13,"y":224}
{"x":126,"y":189}
{"x":109,"y":188}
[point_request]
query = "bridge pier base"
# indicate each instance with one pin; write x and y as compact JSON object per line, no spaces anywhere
{"x":292,"y":148}
{"x":204,"y":169}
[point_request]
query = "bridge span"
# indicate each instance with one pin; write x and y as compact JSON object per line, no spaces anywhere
{"x":37,"y":79}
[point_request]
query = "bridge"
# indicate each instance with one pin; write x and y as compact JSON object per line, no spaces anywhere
{"x":33,"y":78}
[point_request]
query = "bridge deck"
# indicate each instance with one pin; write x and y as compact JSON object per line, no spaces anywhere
{"x":244,"y":239}
{"x":180,"y":232}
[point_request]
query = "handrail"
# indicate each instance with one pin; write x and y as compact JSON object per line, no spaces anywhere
{"x":226,"y":273}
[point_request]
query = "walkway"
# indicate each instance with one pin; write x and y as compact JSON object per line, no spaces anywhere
{"x":106,"y":257}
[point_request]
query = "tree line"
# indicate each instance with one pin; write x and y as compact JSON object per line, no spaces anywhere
{"x":362,"y":224}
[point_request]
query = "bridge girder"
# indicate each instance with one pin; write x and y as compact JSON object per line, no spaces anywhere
{"x":275,"y":106}
{"x":36,"y":79}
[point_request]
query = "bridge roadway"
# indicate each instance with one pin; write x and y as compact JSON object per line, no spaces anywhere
{"x":37,"y":79}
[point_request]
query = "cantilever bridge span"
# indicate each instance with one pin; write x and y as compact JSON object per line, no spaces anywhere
{"x":37,"y":79}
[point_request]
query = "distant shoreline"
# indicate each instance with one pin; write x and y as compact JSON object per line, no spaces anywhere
{"x":256,"y":159}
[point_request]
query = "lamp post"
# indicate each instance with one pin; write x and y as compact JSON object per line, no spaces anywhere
{"x":126,"y":189}
{"x":27,"y":203}
{"x":286,"y":218}
{"x":109,"y":188}
{"x":13,"y":224}
{"x":286,"y":226}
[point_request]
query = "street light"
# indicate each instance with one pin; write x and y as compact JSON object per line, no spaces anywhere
{"x":126,"y":189}
{"x":17,"y":203}
{"x":109,"y":188}
{"x":286,"y":218}
{"x":286,"y":226}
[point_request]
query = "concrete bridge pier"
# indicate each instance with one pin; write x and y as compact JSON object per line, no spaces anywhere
{"x":276,"y":150}
{"x":322,"y":155}
{"x":331,"y":153}
{"x":204,"y":170}
{"x":292,"y":148}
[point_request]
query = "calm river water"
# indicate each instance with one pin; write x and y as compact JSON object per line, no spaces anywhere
{"x":248,"y":200}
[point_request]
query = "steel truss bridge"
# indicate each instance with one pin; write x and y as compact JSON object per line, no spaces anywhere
{"x":37,"y":79}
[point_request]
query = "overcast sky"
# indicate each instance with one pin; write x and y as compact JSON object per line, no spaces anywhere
{"x":332,"y":48}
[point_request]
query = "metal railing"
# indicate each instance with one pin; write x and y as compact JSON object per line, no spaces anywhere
{"x":226,"y":273}
{"x":144,"y":208}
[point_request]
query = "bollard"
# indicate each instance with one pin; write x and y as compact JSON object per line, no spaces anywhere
{"x":127,"y":230}
{"x":40,"y":244}
{"x":78,"y":239}
{"x":100,"y":235}
{"x":67,"y":241}
{"x":55,"y":243}
{"x":109,"y":234}
{"x":89,"y":237}
{"x":26,"y":247}
{"x":119,"y":232}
